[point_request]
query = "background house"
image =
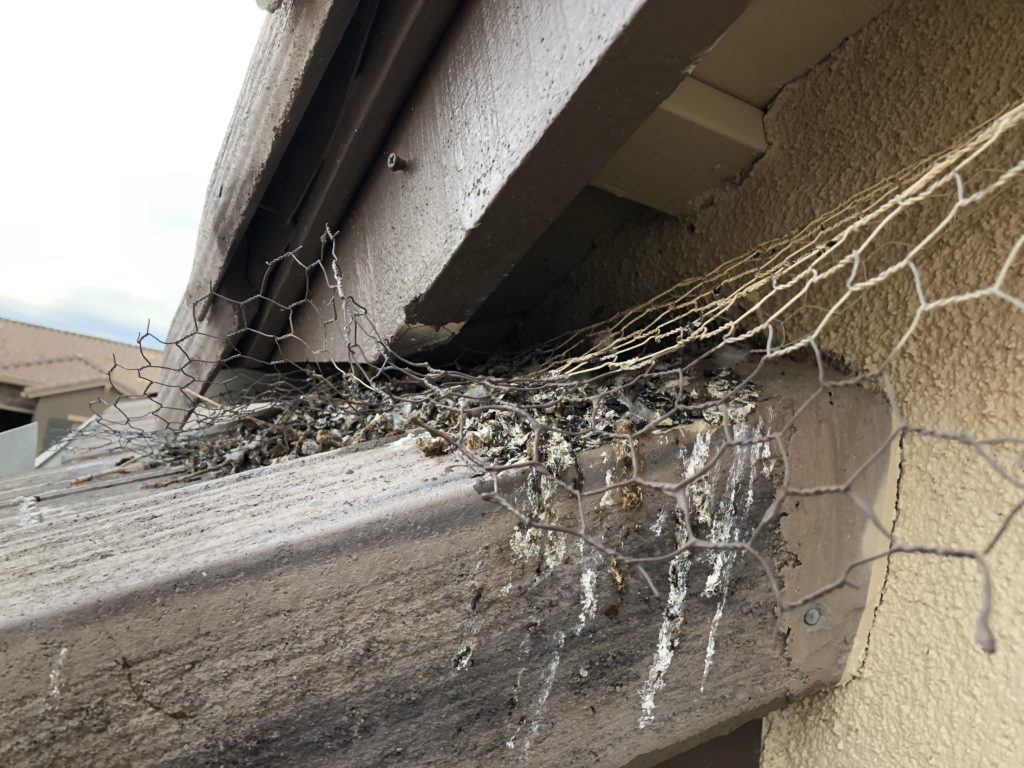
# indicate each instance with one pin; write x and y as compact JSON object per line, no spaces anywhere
{"x":51,"y":377}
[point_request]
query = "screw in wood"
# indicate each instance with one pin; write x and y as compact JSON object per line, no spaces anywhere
{"x":397,"y":163}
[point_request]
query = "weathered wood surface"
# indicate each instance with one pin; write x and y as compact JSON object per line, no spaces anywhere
{"x":519,"y":108}
{"x":361,"y":60}
{"x":294,"y":48}
{"x":368,"y":608}
{"x":376,"y":66}
{"x":27,"y":501}
{"x":291,"y":54}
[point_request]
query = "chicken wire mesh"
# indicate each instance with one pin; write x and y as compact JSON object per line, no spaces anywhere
{"x":696,"y":354}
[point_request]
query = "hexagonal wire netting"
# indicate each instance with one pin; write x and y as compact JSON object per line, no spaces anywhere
{"x":694,"y":355}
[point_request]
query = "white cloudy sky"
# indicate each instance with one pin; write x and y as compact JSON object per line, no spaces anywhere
{"x":113,"y":113}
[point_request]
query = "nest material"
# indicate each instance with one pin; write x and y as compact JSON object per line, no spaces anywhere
{"x":496,"y":420}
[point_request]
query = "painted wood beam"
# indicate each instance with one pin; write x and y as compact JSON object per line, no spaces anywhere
{"x":519,"y":108}
{"x":369,"y":607}
{"x":325,"y":82}
{"x":291,"y":55}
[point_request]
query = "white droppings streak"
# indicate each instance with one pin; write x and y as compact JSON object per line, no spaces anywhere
{"x":588,"y":609}
{"x":756,"y":454}
{"x":28,"y":512}
{"x":698,"y":490}
{"x":545,"y":690}
{"x":725,"y":529}
{"x":699,"y":496}
{"x":709,"y":653}
{"x":767,"y":462}
{"x":511,"y":743}
{"x":659,"y":524}
{"x":672,"y":620}
{"x":554,"y":552}
{"x":607,"y":501}
{"x":530,"y":543}
{"x":57,"y":673}
{"x":723,"y":523}
{"x":588,"y":582}
{"x":525,"y":542}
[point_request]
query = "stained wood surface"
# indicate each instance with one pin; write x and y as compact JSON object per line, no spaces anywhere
{"x":370,"y":608}
{"x":294,"y":48}
{"x":518,"y":110}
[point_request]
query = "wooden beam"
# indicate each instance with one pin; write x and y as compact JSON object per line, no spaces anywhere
{"x":697,"y":139}
{"x":343,"y":79}
{"x":518,"y":110}
{"x":368,"y":607}
{"x":291,"y":55}
{"x":380,"y":59}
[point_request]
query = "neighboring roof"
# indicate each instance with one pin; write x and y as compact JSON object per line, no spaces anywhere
{"x":48,"y":360}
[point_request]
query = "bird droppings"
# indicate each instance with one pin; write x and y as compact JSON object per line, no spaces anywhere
{"x":588,"y":583}
{"x":464,"y":658}
{"x":659,"y":522}
{"x":543,"y":430}
{"x":716,"y":500}
{"x":57,"y":673}
{"x":588,"y":610}
{"x":29,"y":513}
{"x":718,"y":510}
{"x":671,"y":622}
{"x":547,"y":684}
{"x":709,"y":653}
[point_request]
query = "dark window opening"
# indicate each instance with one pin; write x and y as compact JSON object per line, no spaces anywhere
{"x":12,"y":419}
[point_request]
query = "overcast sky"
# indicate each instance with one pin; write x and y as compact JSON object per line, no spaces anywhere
{"x":113,"y":114}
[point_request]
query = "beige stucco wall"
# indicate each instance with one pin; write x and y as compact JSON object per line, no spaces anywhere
{"x":904,"y":87}
{"x":74,"y":404}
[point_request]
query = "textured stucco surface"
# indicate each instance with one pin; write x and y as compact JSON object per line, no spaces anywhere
{"x":904,"y":87}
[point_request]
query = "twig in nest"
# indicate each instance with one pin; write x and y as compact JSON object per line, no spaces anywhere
{"x":254,"y":419}
{"x":185,"y":478}
{"x":121,"y":469}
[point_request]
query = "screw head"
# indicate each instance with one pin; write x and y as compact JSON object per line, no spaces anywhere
{"x":812,"y":616}
{"x":397,"y":163}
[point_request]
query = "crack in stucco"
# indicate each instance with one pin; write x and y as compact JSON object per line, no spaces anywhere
{"x":888,"y":562}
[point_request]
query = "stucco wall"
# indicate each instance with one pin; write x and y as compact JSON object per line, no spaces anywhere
{"x":904,"y":87}
{"x":63,"y":405}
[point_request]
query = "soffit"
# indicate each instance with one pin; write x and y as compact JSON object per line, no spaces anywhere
{"x":777,"y":41}
{"x":711,"y":128}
